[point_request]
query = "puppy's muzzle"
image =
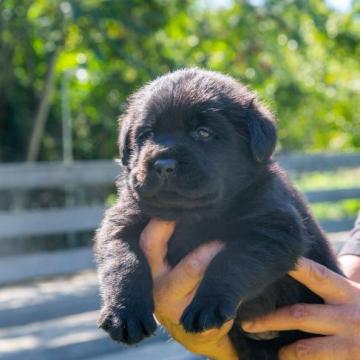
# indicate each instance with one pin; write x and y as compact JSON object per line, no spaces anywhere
{"x":165,"y":167}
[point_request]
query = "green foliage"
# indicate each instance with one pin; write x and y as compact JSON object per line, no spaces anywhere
{"x":336,"y":210}
{"x":331,"y":180}
{"x":341,"y":179}
{"x":301,"y":57}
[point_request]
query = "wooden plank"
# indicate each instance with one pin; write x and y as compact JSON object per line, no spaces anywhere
{"x":63,"y":262}
{"x":160,"y":351}
{"x":50,"y":298}
{"x":300,"y":162}
{"x":50,"y":221}
{"x":57,"y":174}
{"x":65,"y":295}
{"x":332,"y":195}
{"x":92,"y":172}
{"x":72,"y":337}
{"x":70,"y":220}
{"x":76,"y":336}
{"x":57,"y":307}
{"x":337,"y":225}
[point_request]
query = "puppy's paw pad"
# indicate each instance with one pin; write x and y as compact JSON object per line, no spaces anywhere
{"x":125,"y":325}
{"x":203,"y":315}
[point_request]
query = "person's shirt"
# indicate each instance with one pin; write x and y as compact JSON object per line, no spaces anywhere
{"x":352,"y":246}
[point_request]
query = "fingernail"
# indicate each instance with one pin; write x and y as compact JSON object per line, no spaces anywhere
{"x":209,"y":250}
{"x":160,"y":222}
{"x":217,"y":245}
{"x":247,"y":325}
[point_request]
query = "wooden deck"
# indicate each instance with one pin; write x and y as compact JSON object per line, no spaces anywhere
{"x":55,"y":319}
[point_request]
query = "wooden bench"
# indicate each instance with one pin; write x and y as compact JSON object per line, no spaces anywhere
{"x":71,"y":219}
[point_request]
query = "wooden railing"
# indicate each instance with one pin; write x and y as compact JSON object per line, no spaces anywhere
{"x":72,"y":218}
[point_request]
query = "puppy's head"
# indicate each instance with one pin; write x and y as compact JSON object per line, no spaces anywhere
{"x":190,"y":141}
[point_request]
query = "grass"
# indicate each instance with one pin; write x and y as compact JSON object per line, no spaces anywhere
{"x":336,"y":210}
{"x":328,"y":180}
{"x":341,"y":179}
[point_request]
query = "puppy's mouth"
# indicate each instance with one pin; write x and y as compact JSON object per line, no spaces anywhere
{"x":161,"y":195}
{"x":172,"y":199}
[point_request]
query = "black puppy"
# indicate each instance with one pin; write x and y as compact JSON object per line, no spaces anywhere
{"x":195,"y":147}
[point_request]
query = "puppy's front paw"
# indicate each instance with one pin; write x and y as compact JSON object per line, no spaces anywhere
{"x":201,"y":315}
{"x":128,"y":325}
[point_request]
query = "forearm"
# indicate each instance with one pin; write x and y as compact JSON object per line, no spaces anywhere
{"x":351,"y":266}
{"x":349,"y":256}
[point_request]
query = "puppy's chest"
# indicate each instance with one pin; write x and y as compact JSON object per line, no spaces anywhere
{"x":188,"y":237}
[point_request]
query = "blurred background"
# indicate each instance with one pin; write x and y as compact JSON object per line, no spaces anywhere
{"x":66,"y":69}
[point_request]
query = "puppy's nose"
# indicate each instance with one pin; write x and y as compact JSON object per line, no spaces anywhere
{"x":165,"y":167}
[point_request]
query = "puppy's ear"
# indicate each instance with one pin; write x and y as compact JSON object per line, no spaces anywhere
{"x":261,"y":130}
{"x":124,"y":140}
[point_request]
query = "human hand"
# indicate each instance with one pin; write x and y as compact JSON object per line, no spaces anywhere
{"x":338,"y":319}
{"x":175,"y":288}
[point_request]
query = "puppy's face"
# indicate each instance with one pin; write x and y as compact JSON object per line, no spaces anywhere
{"x":190,"y":141}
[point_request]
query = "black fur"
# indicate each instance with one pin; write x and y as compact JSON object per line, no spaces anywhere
{"x":225,"y":186}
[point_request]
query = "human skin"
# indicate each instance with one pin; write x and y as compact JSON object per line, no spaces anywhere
{"x":174,"y":289}
{"x":338,"y":319}
{"x":351,"y":266}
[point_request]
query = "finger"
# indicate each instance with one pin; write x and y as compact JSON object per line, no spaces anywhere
{"x":313,"y":318}
{"x":332,"y":287}
{"x":321,"y":348}
{"x":153,"y":242}
{"x":186,"y":275}
{"x":211,"y":335}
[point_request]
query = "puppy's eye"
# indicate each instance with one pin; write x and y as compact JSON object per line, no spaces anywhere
{"x":203,"y":133}
{"x":145,"y":134}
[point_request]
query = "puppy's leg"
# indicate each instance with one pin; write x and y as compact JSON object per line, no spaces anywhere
{"x":243,"y":270}
{"x":125,"y":281}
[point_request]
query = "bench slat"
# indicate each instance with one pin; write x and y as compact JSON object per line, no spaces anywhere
{"x":57,"y":174}
{"x":338,"y":225}
{"x":332,"y":195}
{"x":94,"y":172}
{"x":318,"y":162}
{"x":72,"y":220}
{"x":64,"y":262}
{"x":50,"y":221}
{"x":41,"y":265}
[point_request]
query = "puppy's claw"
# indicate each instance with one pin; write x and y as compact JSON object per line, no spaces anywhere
{"x":200,"y":316}
{"x":127,"y":326}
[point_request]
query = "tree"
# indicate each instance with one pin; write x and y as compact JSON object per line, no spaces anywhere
{"x":301,"y":57}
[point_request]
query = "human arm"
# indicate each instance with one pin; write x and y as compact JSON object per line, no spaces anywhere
{"x":350,"y":264}
{"x":175,"y":288}
{"x":349,"y":256}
